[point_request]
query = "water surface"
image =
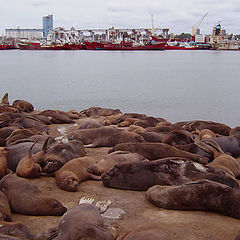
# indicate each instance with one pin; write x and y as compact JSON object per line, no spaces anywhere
{"x":175,"y":85}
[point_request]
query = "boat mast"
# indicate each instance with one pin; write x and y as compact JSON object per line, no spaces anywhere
{"x":152,"y":25}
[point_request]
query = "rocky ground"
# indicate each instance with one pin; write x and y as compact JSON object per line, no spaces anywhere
{"x":130,"y":208}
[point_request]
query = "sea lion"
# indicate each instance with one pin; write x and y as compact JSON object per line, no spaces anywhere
{"x":127,"y":122}
{"x":222,"y":160}
{"x":178,"y":137}
{"x":152,"y":136}
{"x":70,"y":175}
{"x":20,"y":150}
{"x":205,"y":133}
{"x":82,"y":222}
{"x":98,"y":111}
{"x":113,"y":159}
{"x":203,"y":195}
{"x":136,"y":129}
{"x":15,"y":229}
{"x":112,"y":119}
{"x":3,"y":161}
{"x":29,"y":166}
{"x":20,"y":191}
{"x":218,"y":128}
{"x":146,"y":122}
{"x":60,"y":153}
{"x":105,"y":136}
{"x":89,"y":123}
{"x":21,"y":134}
{"x":23,"y":105}
{"x":167,"y":171}
{"x":153,"y":151}
{"x":5,"y":211}
{"x":58,"y":117}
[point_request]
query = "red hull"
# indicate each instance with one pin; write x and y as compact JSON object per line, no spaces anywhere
{"x":72,"y":47}
{"x":156,"y":46}
{"x":38,"y":47}
{"x":93,"y":45}
{"x":180,"y":48}
{"x":3,"y":47}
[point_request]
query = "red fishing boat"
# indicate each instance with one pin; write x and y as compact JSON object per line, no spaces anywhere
{"x":151,"y":46}
{"x":3,"y":47}
{"x":27,"y":46}
{"x":94,"y":45}
{"x":72,"y":46}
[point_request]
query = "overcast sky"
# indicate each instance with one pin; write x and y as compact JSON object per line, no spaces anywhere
{"x":177,"y":15}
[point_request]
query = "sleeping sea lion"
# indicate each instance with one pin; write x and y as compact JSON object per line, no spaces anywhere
{"x":20,"y":191}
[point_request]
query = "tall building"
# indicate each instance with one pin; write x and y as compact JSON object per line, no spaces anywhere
{"x":47,"y":24}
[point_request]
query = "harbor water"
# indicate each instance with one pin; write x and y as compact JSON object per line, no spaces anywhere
{"x":175,"y":85}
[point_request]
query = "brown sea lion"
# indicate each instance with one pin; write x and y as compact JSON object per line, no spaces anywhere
{"x":5,"y":211}
{"x":26,"y":198}
{"x":105,"y":136}
{"x":82,"y":222}
{"x":29,"y":166}
{"x":235,"y":130}
{"x":6,"y":131}
{"x":153,"y":151}
{"x":21,"y":134}
{"x":23,"y":105}
{"x":5,"y":99}
{"x":205,"y":133}
{"x":219,"y":128}
{"x":3,"y":161}
{"x":58,"y":117}
{"x":98,"y":111}
{"x":152,"y":136}
{"x":20,"y":150}
{"x":203,"y":195}
{"x":167,"y":171}
{"x":178,"y":137}
{"x":136,"y":129}
{"x":89,"y":123}
{"x":112,"y":119}
{"x":71,"y":174}
{"x":15,"y":229}
{"x":127,"y":122}
{"x":222,"y":160}
{"x":146,"y":122}
{"x":113,"y":159}
{"x":60,"y":153}
{"x":228,"y":144}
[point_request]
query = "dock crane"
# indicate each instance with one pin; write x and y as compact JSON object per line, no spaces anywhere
{"x":194,"y":28}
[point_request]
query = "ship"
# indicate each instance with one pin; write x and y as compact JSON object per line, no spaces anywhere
{"x":38,"y":46}
{"x":123,"y":47}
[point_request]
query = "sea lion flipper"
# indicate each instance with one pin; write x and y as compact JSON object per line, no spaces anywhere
{"x":94,"y":177}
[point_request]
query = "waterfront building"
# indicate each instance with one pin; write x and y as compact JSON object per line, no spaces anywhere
{"x":24,"y":33}
{"x":47,"y":25}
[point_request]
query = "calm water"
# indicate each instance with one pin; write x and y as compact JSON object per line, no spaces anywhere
{"x":175,"y":85}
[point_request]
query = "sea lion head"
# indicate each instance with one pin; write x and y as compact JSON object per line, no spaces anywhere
{"x":67,"y":180}
{"x":50,"y":206}
{"x":51,"y":163}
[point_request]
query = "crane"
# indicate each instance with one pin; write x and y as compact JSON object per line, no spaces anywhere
{"x":194,"y":28}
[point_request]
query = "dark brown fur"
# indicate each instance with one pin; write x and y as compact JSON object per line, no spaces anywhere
{"x":105,"y":136}
{"x":153,"y":151}
{"x":113,"y":159}
{"x":82,"y":222}
{"x":26,"y":198}
{"x":199,"y":195}
{"x":167,"y":171}
{"x":23,"y":105}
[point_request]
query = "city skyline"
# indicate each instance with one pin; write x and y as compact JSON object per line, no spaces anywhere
{"x":178,"y":16}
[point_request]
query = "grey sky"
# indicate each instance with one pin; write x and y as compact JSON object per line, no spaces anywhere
{"x":178,"y":16}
